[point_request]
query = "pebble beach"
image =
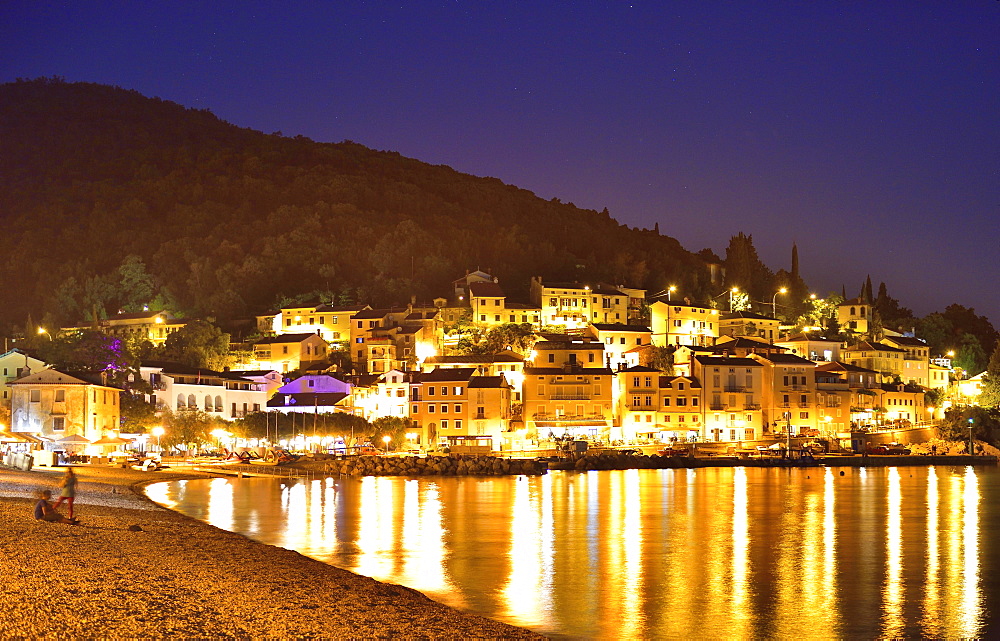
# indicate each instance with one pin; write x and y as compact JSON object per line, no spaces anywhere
{"x":173,"y":576}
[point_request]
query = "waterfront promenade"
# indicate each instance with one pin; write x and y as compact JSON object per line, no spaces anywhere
{"x":178,"y":577}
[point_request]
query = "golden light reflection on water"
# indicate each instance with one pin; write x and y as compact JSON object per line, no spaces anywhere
{"x":713,"y":552}
{"x":972,"y":597}
{"x":892,"y":591}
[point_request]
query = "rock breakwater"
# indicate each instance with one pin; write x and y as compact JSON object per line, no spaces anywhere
{"x":455,"y":465}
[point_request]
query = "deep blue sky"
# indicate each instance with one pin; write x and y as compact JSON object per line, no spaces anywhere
{"x":868,"y":133}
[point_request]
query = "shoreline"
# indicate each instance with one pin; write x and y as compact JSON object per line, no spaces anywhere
{"x":178,"y":576}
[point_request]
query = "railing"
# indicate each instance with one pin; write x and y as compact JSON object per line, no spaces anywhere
{"x":717,"y":406}
{"x":568,"y":417}
{"x":751,"y":406}
{"x":735,"y":388}
{"x":784,"y":405}
{"x":570,"y":397}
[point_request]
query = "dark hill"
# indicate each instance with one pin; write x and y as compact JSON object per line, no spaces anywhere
{"x":227,"y":220}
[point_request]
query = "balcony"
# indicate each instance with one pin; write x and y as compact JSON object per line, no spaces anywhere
{"x":716,"y":407}
{"x":480,"y":416}
{"x":568,"y":396}
{"x":735,"y":388}
{"x":783,"y":405}
{"x":751,"y":407}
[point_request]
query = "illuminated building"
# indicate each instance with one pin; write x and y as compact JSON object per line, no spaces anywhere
{"x":745,"y":323}
{"x":13,"y":365}
{"x":454,"y":403}
{"x":151,"y":326}
{"x":676,"y":323}
{"x":619,"y":339}
{"x":732,"y":390}
{"x":288,"y":352}
{"x":54,"y":404}
{"x":224,"y":395}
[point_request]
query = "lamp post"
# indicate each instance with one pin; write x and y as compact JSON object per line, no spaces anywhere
{"x":774,"y":301}
{"x":386,"y":439}
{"x":671,"y":290}
{"x":158,"y":432}
{"x":971,"y":424}
{"x":732,"y":291}
{"x":42,"y":331}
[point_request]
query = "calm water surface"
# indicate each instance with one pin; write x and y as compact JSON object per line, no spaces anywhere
{"x":713,"y":552}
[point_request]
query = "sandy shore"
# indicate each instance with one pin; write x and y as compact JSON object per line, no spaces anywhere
{"x":179,"y":577}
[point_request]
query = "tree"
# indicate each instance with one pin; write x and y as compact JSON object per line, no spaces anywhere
{"x":91,"y":351}
{"x":663,"y":358}
{"x":519,"y":338}
{"x":985,"y":423}
{"x":198,"y":344}
{"x":744,"y":268}
{"x":135,"y":287}
{"x":188,"y":428}
{"x":989,"y":395}
{"x":970,"y":356}
{"x":137,"y":414}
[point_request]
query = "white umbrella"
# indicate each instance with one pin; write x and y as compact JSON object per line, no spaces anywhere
{"x":74,"y":439}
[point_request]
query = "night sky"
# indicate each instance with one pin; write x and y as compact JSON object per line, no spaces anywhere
{"x":868,"y":133}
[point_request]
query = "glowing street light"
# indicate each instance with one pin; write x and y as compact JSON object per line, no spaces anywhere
{"x":158,"y":432}
{"x":44,"y":332}
{"x":774,"y":301}
{"x":671,"y":290}
{"x":386,"y":439}
{"x":734,"y":290}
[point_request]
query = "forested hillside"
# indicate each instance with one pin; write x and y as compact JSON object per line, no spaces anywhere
{"x":109,"y":199}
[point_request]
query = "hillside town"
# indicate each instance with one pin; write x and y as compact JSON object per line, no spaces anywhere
{"x":596,"y":362}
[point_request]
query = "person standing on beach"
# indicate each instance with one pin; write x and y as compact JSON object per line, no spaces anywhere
{"x":68,"y":493}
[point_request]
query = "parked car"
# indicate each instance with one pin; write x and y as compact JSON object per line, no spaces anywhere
{"x":888,"y":448}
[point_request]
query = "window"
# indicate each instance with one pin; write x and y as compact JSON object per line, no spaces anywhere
{"x":444,"y":408}
{"x":444,"y":424}
{"x":803,"y":415}
{"x":416,"y":409}
{"x":35,"y":395}
{"x":552,"y":358}
{"x":60,"y":395}
{"x":444,"y":390}
{"x":284,"y":349}
{"x":58,"y":424}
{"x":430,"y":390}
{"x":458,"y":424}
{"x":666,"y":401}
{"x":694,"y":401}
{"x":458,"y":409}
{"x":680,"y":386}
{"x":430,"y":408}
{"x":457,"y":391}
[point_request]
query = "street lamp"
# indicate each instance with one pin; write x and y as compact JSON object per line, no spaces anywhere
{"x":774,"y":301}
{"x":971,"y":422}
{"x":671,"y":290}
{"x":158,"y":432}
{"x":45,"y":332}
{"x":386,"y":439}
{"x":734,"y":290}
